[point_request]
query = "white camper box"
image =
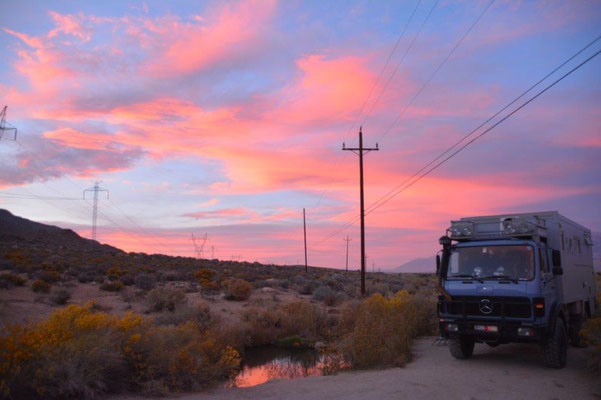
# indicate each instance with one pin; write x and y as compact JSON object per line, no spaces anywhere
{"x":577,"y":284}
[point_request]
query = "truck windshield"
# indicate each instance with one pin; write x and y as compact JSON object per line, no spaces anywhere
{"x":492,"y":262}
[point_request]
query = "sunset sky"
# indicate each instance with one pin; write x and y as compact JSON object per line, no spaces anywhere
{"x":227,"y":118}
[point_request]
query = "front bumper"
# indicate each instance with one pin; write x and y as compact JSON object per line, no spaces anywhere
{"x":506,"y":332}
{"x":507,"y":320}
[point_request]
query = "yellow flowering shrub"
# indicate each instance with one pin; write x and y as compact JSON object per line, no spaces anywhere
{"x":79,"y":353}
{"x":380,"y":330}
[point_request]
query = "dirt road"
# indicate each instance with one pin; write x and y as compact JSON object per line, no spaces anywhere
{"x":507,"y":372}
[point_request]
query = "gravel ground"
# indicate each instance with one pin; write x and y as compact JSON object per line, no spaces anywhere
{"x":514,"y":371}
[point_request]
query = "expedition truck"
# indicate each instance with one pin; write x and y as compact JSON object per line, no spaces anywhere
{"x":515,"y":278}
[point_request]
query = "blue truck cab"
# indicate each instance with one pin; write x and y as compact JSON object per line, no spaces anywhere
{"x":515,"y":278}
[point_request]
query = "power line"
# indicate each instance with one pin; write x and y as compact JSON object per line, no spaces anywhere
{"x":491,"y":118}
{"x":108,"y":219}
{"x":384,"y":68}
{"x":403,"y":186}
{"x":486,"y":131}
{"x":483,"y":133}
{"x":34,"y":197}
{"x":400,"y":62}
{"x":140,"y":227}
{"x":442,"y":63}
{"x":373,"y":88}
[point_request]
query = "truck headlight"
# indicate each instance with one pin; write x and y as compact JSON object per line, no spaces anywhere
{"x":451,"y":327}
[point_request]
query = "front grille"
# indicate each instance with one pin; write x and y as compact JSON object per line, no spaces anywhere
{"x":513,"y":307}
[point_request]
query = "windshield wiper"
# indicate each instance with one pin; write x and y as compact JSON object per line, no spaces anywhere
{"x":467,"y":276}
{"x":504,"y":277}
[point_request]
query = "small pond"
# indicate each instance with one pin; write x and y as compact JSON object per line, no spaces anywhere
{"x":266,"y":363}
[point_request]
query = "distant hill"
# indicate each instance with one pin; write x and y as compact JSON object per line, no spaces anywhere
{"x":425,"y":264}
{"x":17,"y":231}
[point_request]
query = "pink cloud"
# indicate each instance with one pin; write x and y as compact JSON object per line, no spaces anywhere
{"x":70,"y":25}
{"x":190,"y":47}
{"x":31,"y":41}
{"x":225,"y":212}
{"x":325,"y":89}
{"x":80,"y":140}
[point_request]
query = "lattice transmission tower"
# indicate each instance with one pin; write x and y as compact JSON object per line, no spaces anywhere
{"x":5,"y":127}
{"x":96,"y":188}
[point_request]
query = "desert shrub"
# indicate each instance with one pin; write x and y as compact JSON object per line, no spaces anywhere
{"x":79,"y":353}
{"x":237,"y":289}
{"x":304,"y":319}
{"x":165,"y":298}
{"x":591,"y":335}
{"x":40,"y":286}
{"x":322,"y":292}
{"x":86,"y":276}
{"x":204,"y":276}
{"x":260,"y":325}
{"x":266,"y":325}
{"x":181,"y":357}
{"x":127,"y":279}
{"x":74,"y":353}
{"x":10,"y":280}
{"x":381,"y":330}
{"x":115,"y":273}
{"x":60,"y":296}
{"x":299,"y":280}
{"x":48,"y":276}
{"x":198,"y":313}
{"x":17,"y":258}
{"x":372,"y":288}
{"x":308,"y":288}
{"x":172,"y":276}
{"x":332,"y":282}
{"x":111,"y":286}
{"x":145,"y":281}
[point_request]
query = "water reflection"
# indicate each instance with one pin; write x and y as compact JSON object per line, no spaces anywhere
{"x":264,"y":364}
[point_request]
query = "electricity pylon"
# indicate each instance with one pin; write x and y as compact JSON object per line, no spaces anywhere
{"x":361,"y":151}
{"x":4,"y":128}
{"x":95,"y":189}
{"x":347,"y":240}
{"x":199,"y":248}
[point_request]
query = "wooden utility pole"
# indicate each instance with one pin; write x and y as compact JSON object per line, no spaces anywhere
{"x":361,"y":151}
{"x":305,"y":232}
{"x":347,"y":240}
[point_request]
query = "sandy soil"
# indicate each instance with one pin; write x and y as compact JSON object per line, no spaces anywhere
{"x":507,"y":372}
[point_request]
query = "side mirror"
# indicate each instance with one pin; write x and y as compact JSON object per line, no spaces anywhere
{"x":437,"y":264}
{"x":556,"y":258}
{"x":557,"y":270}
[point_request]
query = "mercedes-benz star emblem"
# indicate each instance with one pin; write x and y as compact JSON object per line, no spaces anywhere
{"x":485,"y":306}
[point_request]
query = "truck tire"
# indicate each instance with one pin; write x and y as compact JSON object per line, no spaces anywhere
{"x":555,"y":347}
{"x":462,"y":347}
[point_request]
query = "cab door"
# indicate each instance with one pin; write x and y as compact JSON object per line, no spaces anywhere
{"x":548,"y":283}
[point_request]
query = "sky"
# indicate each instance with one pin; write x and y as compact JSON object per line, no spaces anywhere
{"x":226,"y":119}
